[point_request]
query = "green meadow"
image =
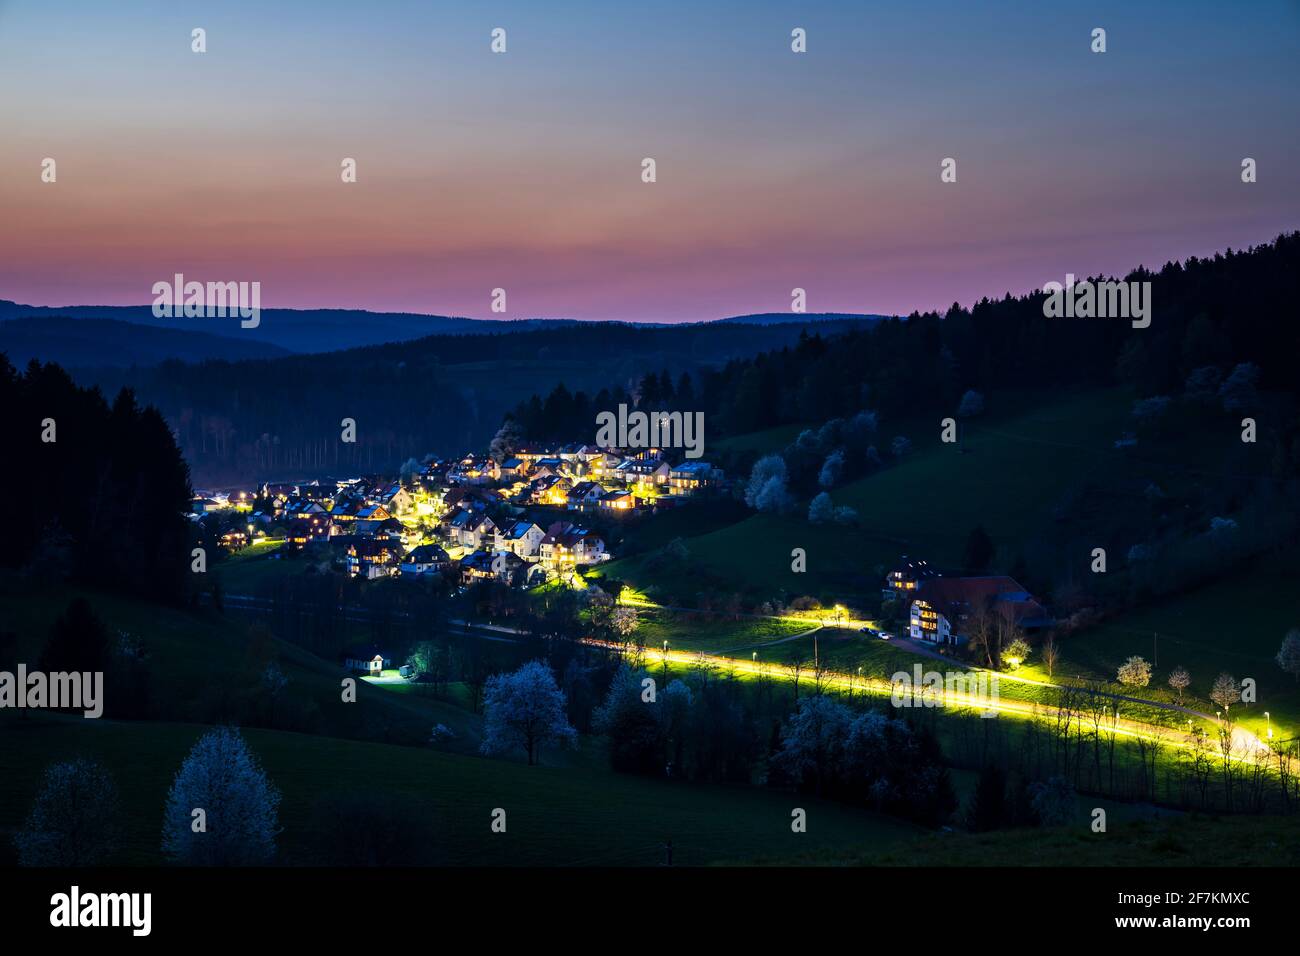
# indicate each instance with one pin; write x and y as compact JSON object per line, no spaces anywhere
{"x":554,"y":817}
{"x":208,"y":668}
{"x":1006,"y":474}
{"x":1234,"y":625}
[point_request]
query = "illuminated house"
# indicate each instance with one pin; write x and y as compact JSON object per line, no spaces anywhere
{"x":307,"y":530}
{"x":944,"y":610}
{"x":371,"y":558}
{"x":566,"y":546}
{"x":511,"y":469}
{"x":901,"y":584}
{"x":302,"y":508}
{"x":322,"y":495}
{"x":234,"y":540}
{"x":365,"y":660}
{"x":586,"y":495}
{"x":468,"y":499}
{"x":472,"y":470}
{"x":550,"y":490}
{"x":619,"y":501}
{"x":521,"y":538}
{"x":587,"y":460}
{"x":373,"y":513}
{"x":691,"y":477}
{"x":389,"y":529}
{"x":470,"y":529}
{"x":426,"y":559}
{"x":551,"y":465}
{"x":397,"y":500}
{"x":483,"y":565}
{"x":532,"y":454}
{"x":643,"y":469}
{"x":346,"y":509}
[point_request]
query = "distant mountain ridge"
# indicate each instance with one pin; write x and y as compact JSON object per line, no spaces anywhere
{"x":122,"y":336}
{"x":292,"y":330}
{"x":786,"y":318}
{"x":81,"y":343}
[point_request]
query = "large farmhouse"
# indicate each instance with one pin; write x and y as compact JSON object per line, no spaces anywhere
{"x":946,"y":610}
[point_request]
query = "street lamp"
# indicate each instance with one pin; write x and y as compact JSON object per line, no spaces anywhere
{"x":1270,"y":725}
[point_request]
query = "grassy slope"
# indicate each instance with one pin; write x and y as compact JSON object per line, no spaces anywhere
{"x":1011,"y":472}
{"x":1168,"y":841}
{"x":199,"y":658}
{"x":1234,"y":625}
{"x":554,"y":816}
{"x":684,"y":632}
{"x":768,"y":440}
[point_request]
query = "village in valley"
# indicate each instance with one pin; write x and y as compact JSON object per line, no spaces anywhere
{"x":523,"y":519}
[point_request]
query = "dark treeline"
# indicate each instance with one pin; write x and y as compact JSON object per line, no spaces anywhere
{"x":101,"y":494}
{"x":1231,"y":309}
{"x":240,"y":422}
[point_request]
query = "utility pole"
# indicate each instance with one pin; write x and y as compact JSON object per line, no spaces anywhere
{"x":668,"y":852}
{"x":1155,"y":653}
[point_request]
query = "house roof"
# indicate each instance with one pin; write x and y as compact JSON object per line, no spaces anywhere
{"x":549,"y":481}
{"x":483,"y":560}
{"x":964,"y":595}
{"x":371,"y":547}
{"x":571,"y":537}
{"x":427,"y":554}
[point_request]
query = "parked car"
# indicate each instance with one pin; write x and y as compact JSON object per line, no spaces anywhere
{"x":884,"y":636}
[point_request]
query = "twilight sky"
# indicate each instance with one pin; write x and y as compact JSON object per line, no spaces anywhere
{"x":522,"y":170}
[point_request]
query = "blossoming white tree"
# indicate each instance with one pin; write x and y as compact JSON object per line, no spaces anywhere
{"x":1134,"y":672}
{"x":524,"y":709}
{"x":766,"y":490}
{"x":74,"y":821}
{"x":1288,"y":656}
{"x":240,"y":807}
{"x":1180,"y":680}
